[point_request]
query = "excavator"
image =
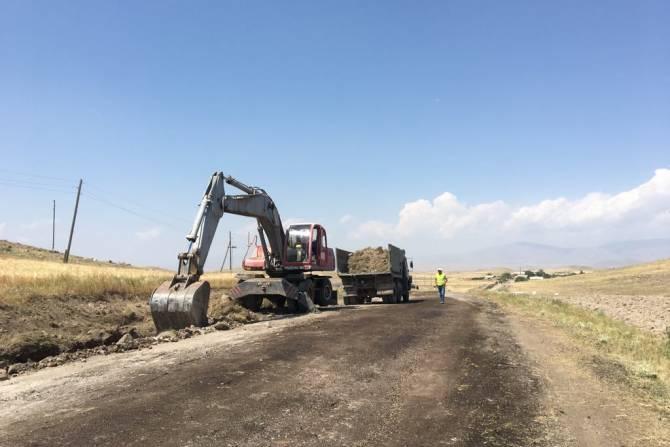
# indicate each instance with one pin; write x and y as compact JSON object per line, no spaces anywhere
{"x":292,"y":260}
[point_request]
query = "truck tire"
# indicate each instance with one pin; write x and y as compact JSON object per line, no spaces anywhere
{"x":325,"y":294}
{"x":397,"y":293}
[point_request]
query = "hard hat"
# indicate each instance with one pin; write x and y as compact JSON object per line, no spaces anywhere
{"x":439,"y":269}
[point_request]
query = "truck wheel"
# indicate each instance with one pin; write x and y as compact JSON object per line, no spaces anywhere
{"x":396,"y":297}
{"x":325,"y":292}
{"x":405,"y":297}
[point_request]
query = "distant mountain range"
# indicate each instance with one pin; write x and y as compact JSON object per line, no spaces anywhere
{"x":529,"y":255}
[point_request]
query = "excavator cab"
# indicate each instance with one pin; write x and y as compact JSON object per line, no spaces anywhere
{"x":307,"y":248}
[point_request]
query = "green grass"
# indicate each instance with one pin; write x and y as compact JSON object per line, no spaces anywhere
{"x":643,"y":357}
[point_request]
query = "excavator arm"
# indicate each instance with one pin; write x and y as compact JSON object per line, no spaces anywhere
{"x":183,"y":301}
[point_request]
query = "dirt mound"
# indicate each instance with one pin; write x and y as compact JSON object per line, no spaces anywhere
{"x":225,"y":309}
{"x":369,"y":260}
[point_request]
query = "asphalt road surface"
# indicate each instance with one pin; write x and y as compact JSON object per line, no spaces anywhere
{"x":416,"y":374}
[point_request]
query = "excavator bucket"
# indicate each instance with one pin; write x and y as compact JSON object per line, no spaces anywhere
{"x":177,"y":307}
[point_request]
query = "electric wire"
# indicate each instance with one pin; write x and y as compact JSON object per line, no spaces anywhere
{"x":37,"y":187}
{"x":137,"y":204}
{"x":25,"y":174}
{"x":130,"y":211}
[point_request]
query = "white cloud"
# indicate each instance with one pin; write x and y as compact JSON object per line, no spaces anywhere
{"x":637,"y":213}
{"x":646,"y":201}
{"x":149,"y":234}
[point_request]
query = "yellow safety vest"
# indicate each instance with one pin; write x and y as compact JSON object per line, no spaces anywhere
{"x":440,"y":279}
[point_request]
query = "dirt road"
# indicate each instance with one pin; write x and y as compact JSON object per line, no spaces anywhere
{"x":419,"y":374}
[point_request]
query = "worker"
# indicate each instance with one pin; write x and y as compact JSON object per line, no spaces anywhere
{"x":441,"y":283}
{"x":299,"y":252}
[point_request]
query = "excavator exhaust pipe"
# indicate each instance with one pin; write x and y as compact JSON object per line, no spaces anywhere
{"x":175,"y":306}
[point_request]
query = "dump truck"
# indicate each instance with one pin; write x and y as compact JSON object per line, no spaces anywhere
{"x":392,"y":285}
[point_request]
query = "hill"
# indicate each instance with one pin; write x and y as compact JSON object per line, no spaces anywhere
{"x":529,"y":255}
{"x":23,"y":251}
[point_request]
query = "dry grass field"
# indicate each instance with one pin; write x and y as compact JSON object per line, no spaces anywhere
{"x":620,"y":316}
{"x":24,"y":279}
{"x":638,"y":295}
{"x":461,"y":282}
{"x":48,"y":307}
{"x":644,"y":279}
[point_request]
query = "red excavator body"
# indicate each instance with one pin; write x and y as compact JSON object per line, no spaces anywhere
{"x":306,"y":250}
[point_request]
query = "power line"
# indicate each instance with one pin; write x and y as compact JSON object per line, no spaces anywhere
{"x":25,"y":174}
{"x":37,"y":183}
{"x":36,"y":187}
{"x":137,"y":204}
{"x":129,"y":211}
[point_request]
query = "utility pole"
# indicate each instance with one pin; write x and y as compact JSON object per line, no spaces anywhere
{"x":229,"y":253}
{"x":53,"y":228}
{"x":74,"y":219}
{"x":225,"y":257}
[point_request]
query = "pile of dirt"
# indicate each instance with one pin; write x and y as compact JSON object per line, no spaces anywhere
{"x":226,"y":310}
{"x":369,"y":260}
{"x":41,"y":327}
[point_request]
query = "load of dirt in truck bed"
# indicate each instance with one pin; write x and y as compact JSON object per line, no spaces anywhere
{"x":369,"y":260}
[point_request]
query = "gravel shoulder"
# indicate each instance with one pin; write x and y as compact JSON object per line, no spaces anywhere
{"x":585,"y":403}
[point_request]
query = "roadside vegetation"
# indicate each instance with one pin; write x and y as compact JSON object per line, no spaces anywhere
{"x":619,"y":352}
{"x":24,"y":279}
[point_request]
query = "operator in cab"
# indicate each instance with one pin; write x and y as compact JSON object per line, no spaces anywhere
{"x":441,"y":283}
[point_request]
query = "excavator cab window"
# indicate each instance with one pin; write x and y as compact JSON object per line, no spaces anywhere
{"x":315,"y":244}
{"x":298,"y":238}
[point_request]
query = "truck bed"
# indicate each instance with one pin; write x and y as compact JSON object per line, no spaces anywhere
{"x":360,"y":287}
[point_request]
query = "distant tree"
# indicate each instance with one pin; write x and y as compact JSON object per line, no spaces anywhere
{"x":505,"y":277}
{"x":529,"y":273}
{"x":520,"y":278}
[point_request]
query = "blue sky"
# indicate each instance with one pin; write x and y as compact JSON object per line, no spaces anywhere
{"x":342,"y":108}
